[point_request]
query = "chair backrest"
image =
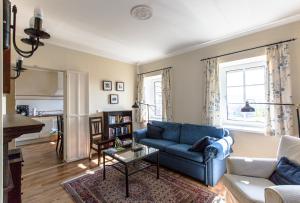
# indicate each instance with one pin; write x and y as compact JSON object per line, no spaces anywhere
{"x":289,"y":147}
{"x":96,"y":127}
{"x":60,"y":124}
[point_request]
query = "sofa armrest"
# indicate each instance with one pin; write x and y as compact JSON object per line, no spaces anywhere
{"x":255,"y":167}
{"x":139,"y":134}
{"x":282,"y":194}
{"x":219,"y":149}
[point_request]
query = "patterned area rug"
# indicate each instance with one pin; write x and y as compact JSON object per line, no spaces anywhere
{"x":143,"y":188}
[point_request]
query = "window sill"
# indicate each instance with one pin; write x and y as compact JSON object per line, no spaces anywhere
{"x":257,"y":130}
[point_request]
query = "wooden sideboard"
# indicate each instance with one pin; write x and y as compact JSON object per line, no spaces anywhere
{"x":14,"y":125}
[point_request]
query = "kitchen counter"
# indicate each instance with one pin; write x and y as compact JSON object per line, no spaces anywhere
{"x":46,"y":115}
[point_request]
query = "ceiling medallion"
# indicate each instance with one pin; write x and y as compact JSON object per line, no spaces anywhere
{"x":141,"y":12}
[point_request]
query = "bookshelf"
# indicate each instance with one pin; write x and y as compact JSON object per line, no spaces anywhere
{"x":117,"y":124}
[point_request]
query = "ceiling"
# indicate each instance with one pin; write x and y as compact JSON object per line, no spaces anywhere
{"x":105,"y":27}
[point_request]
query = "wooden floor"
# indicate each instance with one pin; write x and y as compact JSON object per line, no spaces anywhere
{"x":44,"y":186}
{"x":39,"y":157}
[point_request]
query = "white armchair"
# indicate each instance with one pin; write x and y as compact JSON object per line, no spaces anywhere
{"x":247,"y":181}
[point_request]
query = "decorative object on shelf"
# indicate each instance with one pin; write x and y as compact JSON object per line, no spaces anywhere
{"x":120,"y":86}
{"x":114,"y":98}
{"x":107,"y":85}
{"x":137,"y":104}
{"x":35,"y":32}
{"x":18,"y":68}
{"x":118,"y":143}
{"x":248,"y":108}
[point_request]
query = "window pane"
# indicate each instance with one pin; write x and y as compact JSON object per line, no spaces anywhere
{"x":234,"y":78}
{"x":255,"y":93}
{"x":234,"y":112}
{"x":258,"y":115}
{"x":235,"y":95}
{"x":254,"y":76}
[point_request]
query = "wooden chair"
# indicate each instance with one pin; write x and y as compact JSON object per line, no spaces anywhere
{"x":60,"y":136}
{"x":97,"y":137}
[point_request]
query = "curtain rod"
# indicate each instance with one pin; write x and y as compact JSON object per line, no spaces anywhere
{"x":235,"y":52}
{"x":154,"y":71}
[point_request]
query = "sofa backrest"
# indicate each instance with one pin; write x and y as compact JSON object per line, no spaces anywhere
{"x":171,"y":130}
{"x":190,"y":133}
{"x":289,"y":147}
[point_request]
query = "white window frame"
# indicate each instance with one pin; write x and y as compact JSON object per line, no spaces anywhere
{"x":152,"y":109}
{"x":232,"y":66}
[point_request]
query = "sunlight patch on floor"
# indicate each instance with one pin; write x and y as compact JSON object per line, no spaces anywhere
{"x":82,"y":166}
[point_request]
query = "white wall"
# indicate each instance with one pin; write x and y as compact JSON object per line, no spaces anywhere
{"x":188,"y":91}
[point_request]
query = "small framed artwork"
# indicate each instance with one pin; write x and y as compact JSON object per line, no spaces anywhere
{"x":120,"y":86}
{"x":107,"y":85}
{"x":113,"y":99}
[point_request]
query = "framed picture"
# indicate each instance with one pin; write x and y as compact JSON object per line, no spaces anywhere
{"x":113,"y":99}
{"x":107,"y":85}
{"x":120,"y":86}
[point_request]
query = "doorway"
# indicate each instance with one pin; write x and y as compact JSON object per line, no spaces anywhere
{"x":39,"y":94}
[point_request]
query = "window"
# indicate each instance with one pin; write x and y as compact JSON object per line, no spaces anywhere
{"x":153,"y":96}
{"x":242,"y":81}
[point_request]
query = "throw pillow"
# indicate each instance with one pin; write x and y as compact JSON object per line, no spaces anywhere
{"x":201,"y":144}
{"x":154,"y":132}
{"x":286,"y":173}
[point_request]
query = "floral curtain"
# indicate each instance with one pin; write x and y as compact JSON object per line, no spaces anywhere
{"x":141,"y":113}
{"x":278,"y":90}
{"x":167,"y":113}
{"x":212,"y":93}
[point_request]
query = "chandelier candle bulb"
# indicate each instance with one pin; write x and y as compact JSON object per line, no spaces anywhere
{"x":38,"y":13}
{"x":31,"y":22}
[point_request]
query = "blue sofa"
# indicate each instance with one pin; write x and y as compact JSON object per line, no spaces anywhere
{"x":208,"y":167}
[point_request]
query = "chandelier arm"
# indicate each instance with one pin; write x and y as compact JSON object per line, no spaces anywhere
{"x":25,"y":54}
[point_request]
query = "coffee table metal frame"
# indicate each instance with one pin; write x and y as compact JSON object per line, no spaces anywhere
{"x":126,"y":164}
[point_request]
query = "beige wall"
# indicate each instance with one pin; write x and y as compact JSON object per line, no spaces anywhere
{"x":188,"y":95}
{"x":99,"y":68}
{"x":36,"y":82}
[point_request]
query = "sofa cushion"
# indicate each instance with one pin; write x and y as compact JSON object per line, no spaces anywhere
{"x":154,"y":132}
{"x":286,"y":173}
{"x":182,"y":150}
{"x":201,"y":144}
{"x":247,"y":189}
{"x":190,"y":133}
{"x":171,"y":130}
{"x":157,"y":143}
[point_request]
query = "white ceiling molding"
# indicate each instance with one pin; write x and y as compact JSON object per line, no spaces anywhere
{"x":246,"y":32}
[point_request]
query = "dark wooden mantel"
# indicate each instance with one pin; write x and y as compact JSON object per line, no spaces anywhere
{"x":14,"y":126}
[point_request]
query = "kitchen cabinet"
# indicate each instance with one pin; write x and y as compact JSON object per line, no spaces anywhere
{"x":50,"y":125}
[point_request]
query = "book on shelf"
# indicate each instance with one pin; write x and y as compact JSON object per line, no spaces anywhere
{"x":117,"y":131}
{"x":119,"y":119}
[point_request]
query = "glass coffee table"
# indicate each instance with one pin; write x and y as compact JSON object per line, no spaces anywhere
{"x":129,"y":160}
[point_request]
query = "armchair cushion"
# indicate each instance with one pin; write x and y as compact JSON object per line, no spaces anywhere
{"x":286,"y":173}
{"x":247,"y":189}
{"x":262,"y":168}
{"x":289,"y":147}
{"x":282,"y":194}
